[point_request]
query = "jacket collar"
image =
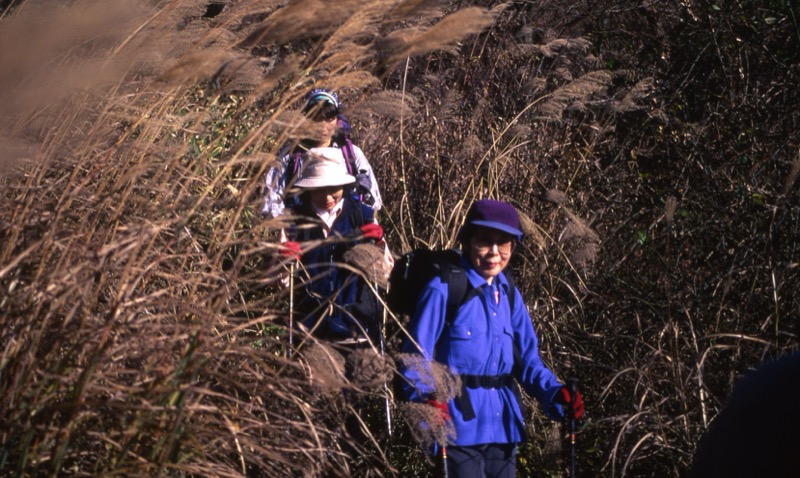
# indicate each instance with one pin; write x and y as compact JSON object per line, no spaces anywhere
{"x":476,"y":280}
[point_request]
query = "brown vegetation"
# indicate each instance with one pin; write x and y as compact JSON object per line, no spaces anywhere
{"x":651,"y":146}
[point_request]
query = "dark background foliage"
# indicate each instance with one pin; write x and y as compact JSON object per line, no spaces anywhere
{"x":651,"y":146}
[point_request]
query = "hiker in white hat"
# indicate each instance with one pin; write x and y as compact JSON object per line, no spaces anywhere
{"x":326,"y":210}
{"x":337,"y":304}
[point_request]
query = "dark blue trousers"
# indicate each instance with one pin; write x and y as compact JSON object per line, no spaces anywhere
{"x":494,"y":460}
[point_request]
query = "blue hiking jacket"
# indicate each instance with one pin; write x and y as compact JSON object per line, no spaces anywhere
{"x":480,"y":341}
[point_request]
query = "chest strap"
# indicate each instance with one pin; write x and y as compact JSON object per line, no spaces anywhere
{"x":487,"y":381}
{"x":483,"y":381}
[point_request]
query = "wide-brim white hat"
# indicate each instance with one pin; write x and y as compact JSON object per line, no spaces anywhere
{"x":324,"y":167}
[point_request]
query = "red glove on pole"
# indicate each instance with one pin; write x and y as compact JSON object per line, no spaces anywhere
{"x":566,"y":399}
{"x":373,"y":231}
{"x":570,"y":398}
{"x":444,"y":412}
{"x":292,"y":250}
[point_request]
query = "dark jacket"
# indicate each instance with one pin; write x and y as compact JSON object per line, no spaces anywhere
{"x":353,"y":305}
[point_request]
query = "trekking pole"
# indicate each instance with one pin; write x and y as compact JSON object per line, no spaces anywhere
{"x":572,"y":386}
{"x":444,"y":462}
{"x":291,"y":309}
{"x":386,"y":385}
{"x":382,"y":346}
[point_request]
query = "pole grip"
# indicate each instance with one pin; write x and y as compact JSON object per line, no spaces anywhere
{"x":572,"y":385}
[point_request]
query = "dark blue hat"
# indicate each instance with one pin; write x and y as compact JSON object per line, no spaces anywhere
{"x":494,"y":215}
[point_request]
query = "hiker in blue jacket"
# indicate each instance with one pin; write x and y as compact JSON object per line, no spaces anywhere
{"x":338,"y":304}
{"x":325,"y":110}
{"x":489,"y":345}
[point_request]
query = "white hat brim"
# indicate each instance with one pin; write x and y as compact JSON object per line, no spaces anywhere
{"x":324,"y":182}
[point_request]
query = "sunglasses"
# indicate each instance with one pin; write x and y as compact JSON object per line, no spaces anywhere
{"x":322,"y":112}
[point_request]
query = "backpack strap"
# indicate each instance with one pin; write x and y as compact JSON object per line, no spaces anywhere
{"x":459,"y":290}
{"x":292,"y":166}
{"x":349,"y":157}
{"x":512,"y":292}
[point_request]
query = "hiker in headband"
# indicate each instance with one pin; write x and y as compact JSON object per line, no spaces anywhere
{"x":333,"y":130}
{"x":490,"y":343}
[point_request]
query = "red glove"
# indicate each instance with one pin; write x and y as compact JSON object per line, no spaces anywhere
{"x":372,"y":231}
{"x":292,"y":250}
{"x":564,"y":398}
{"x":444,"y":412}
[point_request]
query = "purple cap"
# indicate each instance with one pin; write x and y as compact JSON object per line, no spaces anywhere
{"x":494,"y":215}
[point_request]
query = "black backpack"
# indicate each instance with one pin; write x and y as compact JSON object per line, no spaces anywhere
{"x":412,"y":272}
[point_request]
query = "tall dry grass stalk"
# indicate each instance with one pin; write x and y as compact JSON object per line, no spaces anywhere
{"x":143,"y":328}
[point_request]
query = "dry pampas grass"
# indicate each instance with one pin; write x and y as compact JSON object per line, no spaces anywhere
{"x":427,"y":425}
{"x":589,"y":86}
{"x":326,"y":366}
{"x":432,"y":375}
{"x":555,"y":196}
{"x":369,"y":369}
{"x":792,"y":176}
{"x":370,"y":261}
{"x":14,"y":153}
{"x":302,"y":19}
{"x":386,"y":104}
{"x":401,"y":44}
{"x":577,"y":228}
{"x":532,"y":230}
{"x":426,"y":421}
{"x":413,"y":9}
{"x":669,"y":209}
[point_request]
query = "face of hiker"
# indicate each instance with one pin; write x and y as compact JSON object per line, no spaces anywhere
{"x":324,"y":116}
{"x":489,"y":251}
{"x":326,"y":198}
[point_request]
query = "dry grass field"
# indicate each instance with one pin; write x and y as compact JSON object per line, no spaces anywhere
{"x":652,"y":148}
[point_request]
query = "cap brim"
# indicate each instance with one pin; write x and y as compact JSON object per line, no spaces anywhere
{"x":498,"y":226}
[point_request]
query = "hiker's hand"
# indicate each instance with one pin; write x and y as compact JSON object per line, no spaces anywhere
{"x":441,"y":408}
{"x":291,"y":250}
{"x":565,"y":398}
{"x":373,"y":232}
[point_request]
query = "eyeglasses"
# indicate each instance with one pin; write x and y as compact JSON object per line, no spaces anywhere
{"x":483,"y":241}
